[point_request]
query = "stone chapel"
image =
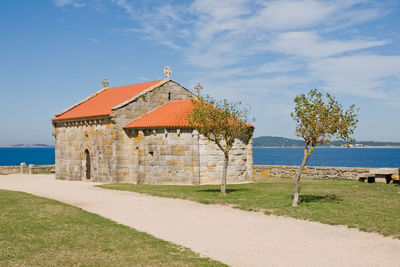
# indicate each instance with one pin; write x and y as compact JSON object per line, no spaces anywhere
{"x":139,"y":134}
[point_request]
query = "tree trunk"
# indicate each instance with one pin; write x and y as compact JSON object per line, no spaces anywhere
{"x":223,"y":183}
{"x":298,"y":175}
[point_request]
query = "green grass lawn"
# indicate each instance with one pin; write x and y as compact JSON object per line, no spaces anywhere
{"x":37,"y":231}
{"x":368,"y":207}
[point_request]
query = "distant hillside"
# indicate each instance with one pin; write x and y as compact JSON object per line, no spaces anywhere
{"x":275,"y":141}
{"x":28,"y":146}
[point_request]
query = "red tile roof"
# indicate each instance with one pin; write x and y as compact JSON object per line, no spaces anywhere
{"x":172,"y":114}
{"x":102,"y":103}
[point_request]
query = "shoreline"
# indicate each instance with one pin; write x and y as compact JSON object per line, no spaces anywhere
{"x":254,"y":164}
{"x":49,"y":147}
{"x":27,"y":147}
{"x":327,"y":147}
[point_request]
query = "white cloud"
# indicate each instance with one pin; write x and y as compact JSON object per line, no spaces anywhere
{"x":278,"y":66}
{"x":126,"y":6}
{"x":220,"y":10}
{"x":349,"y":13}
{"x":271,"y":68}
{"x":218,"y":34}
{"x":253,"y":89}
{"x":226,"y":32}
{"x":361,"y":75}
{"x":263,"y":46}
{"x":310,"y":44}
{"x":61,"y":3}
{"x":74,"y":3}
{"x":289,"y":15}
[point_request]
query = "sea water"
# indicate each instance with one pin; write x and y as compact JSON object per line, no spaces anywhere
{"x":37,"y":156}
{"x":338,"y":157}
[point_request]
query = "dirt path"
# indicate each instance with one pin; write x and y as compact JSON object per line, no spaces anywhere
{"x":235,"y":237}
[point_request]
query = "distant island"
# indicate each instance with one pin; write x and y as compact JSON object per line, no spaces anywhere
{"x":28,"y":146}
{"x":276,"y":141}
{"x":262,"y":141}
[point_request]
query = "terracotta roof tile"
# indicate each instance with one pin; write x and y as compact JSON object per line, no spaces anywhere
{"x":172,"y":114}
{"x":101,"y":104}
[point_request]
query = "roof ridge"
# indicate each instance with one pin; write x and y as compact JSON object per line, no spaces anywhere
{"x":82,"y":101}
{"x":154,"y":110}
{"x":132,"y":84}
{"x":110,"y":89}
{"x":140,"y":94}
{"x":166,"y":109}
{"x":162,"y":82}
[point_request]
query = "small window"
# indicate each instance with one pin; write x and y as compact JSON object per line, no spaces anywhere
{"x":169,"y":96}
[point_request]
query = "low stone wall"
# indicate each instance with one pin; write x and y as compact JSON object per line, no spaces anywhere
{"x":27,"y":169}
{"x":9,"y":169}
{"x":278,"y":171}
{"x":310,"y":172}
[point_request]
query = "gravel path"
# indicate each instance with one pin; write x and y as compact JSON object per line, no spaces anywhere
{"x":235,"y":237}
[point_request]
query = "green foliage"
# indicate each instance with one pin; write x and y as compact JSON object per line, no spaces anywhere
{"x":318,"y":121}
{"x":36,"y":231}
{"x":220,"y":121}
{"x":368,"y":207}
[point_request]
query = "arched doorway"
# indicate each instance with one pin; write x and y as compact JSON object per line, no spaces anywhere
{"x":87,"y":156}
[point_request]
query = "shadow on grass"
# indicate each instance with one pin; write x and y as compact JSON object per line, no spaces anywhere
{"x":219,"y":190}
{"x":314,"y":198}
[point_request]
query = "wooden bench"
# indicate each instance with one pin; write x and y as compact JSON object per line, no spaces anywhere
{"x":388,"y":174}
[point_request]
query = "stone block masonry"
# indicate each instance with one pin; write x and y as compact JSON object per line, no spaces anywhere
{"x":27,"y":169}
{"x":99,"y":148}
{"x":182,"y":156}
{"x":352,"y":173}
{"x":94,"y":137}
{"x":259,"y":171}
{"x":132,"y":150}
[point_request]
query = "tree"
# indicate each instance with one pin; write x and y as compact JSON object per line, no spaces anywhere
{"x":221,"y":122}
{"x":318,"y":121}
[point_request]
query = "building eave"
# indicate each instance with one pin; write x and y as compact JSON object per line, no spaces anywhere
{"x":78,"y":119}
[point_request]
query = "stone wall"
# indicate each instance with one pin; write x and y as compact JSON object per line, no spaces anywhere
{"x":149,"y":156}
{"x":182,"y":156}
{"x":110,"y":148}
{"x":73,"y":138}
{"x":309,"y":172}
{"x":212,"y":162}
{"x":27,"y":169}
{"x":9,"y":170}
{"x":166,"y":156}
{"x":147,"y":102}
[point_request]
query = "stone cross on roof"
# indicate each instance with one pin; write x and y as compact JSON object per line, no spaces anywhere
{"x":167,"y":72}
{"x":198,"y":88}
{"x":105,"y":82}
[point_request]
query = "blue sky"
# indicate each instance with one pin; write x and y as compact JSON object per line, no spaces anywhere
{"x":54,"y":53}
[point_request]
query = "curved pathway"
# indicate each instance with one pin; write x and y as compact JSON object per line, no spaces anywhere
{"x":232,"y":236}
